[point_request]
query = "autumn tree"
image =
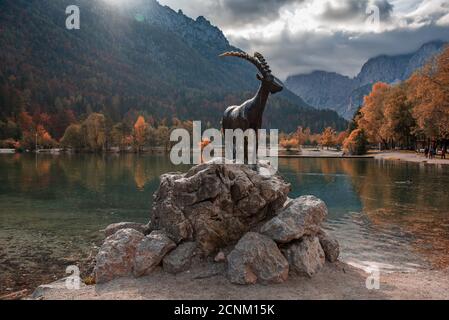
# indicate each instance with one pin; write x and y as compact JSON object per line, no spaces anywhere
{"x":356,"y":143}
{"x":303,"y":135}
{"x":328,"y":137}
{"x":73,"y":137}
{"x":152,"y":136}
{"x":372,"y":114}
{"x":44,"y":139}
{"x":121,"y":136}
{"x":398,"y":117}
{"x":26,"y":122}
{"x":140,"y":133}
{"x":341,"y":137}
{"x":429,"y":92}
{"x":289,"y":142}
{"x":94,"y":130}
{"x":163,"y":136}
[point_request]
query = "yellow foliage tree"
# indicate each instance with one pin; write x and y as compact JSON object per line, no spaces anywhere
{"x":328,"y":138}
{"x":94,"y":129}
{"x":289,"y":143}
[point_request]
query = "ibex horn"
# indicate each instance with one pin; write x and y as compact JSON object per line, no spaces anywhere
{"x":263,"y":67}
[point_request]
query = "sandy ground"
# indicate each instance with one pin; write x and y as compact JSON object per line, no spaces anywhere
{"x":410,"y":157}
{"x":334,"y":281}
{"x":310,"y":152}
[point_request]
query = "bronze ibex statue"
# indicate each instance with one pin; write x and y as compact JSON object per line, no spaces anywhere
{"x":249,"y":114}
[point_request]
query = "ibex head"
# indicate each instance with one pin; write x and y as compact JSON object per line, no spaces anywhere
{"x":264,"y":75}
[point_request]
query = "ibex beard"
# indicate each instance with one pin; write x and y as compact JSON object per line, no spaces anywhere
{"x":240,"y":147}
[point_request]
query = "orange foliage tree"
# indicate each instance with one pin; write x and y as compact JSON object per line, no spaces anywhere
{"x":356,"y":143}
{"x":341,"y":137}
{"x":415,"y":110}
{"x":303,"y":135}
{"x":399,"y":121}
{"x":372,"y":116}
{"x":429,"y":92}
{"x":140,"y":133}
{"x":44,"y":139}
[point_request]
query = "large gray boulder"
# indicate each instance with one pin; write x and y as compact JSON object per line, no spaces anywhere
{"x":215,"y":204}
{"x":330,"y":245}
{"x":150,"y":252}
{"x":301,"y":216}
{"x":179,"y":260}
{"x":256,"y":258}
{"x":116,"y":256}
{"x":305,"y":256}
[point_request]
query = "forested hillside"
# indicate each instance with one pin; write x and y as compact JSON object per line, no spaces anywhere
{"x":144,"y":59}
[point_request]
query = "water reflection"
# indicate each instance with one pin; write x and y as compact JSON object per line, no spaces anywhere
{"x":391,"y":214}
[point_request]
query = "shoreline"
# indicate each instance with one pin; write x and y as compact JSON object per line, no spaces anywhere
{"x":305,"y":154}
{"x":335,"y":281}
{"x":408,"y":157}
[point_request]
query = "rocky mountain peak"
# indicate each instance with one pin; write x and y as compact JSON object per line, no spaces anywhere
{"x":176,"y":21}
{"x":344,"y":95}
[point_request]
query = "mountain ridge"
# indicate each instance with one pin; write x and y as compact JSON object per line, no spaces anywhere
{"x":145,"y":59}
{"x":324,"y":90}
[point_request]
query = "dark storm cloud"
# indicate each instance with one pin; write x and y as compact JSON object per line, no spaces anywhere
{"x":336,"y":39}
{"x":342,"y":52}
{"x":248,"y":10}
{"x":350,"y":10}
{"x":237,"y":12}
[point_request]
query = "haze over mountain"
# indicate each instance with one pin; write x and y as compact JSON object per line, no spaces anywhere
{"x":334,"y":91}
{"x":140,"y":57}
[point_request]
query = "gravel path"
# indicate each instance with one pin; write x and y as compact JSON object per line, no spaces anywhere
{"x":338,"y":281}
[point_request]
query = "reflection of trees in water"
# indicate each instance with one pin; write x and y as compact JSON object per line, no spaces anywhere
{"x":326,"y":166}
{"x":92,"y":171}
{"x":145,"y":168}
{"x":411,"y":197}
{"x":96,"y":172}
{"x":405,"y":199}
{"x":32,"y":171}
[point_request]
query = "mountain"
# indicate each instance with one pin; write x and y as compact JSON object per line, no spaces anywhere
{"x":331,"y":90}
{"x":139,"y":57}
{"x":322,"y":89}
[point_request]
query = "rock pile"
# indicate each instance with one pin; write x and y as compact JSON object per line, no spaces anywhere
{"x":224,"y":213}
{"x":291,"y":242}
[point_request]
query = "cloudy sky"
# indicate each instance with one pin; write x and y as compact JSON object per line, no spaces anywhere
{"x":299,"y":36}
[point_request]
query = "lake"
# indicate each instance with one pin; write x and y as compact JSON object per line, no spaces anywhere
{"x":393,"y":215}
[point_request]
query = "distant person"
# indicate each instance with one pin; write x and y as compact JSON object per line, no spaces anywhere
{"x":443,"y":153}
{"x":426,"y":152}
{"x":432,"y":152}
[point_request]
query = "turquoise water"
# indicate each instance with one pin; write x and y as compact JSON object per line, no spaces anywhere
{"x":390,"y":214}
